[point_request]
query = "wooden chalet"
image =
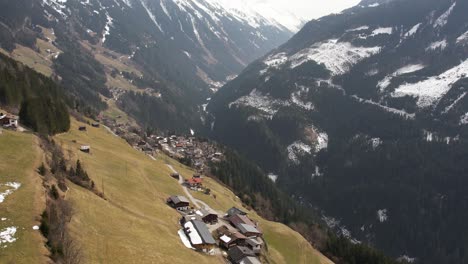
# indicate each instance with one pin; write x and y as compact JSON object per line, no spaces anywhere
{"x":208,"y":216}
{"x":180,"y":203}
{"x":238,"y":253}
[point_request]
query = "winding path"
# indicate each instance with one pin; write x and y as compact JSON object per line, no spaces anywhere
{"x":196,"y":202}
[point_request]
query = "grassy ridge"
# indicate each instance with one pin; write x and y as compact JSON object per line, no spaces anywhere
{"x":135,"y":225}
{"x":19,"y":157}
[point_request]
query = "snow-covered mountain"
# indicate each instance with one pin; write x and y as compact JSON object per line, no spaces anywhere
{"x":188,"y":48}
{"x":354,"y":110}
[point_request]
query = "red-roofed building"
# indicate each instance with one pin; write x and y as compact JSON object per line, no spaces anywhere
{"x":194,"y":182}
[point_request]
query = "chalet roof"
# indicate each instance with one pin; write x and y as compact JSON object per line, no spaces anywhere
{"x":194,"y":180}
{"x":244,"y":228}
{"x":203,"y":235}
{"x":238,"y":253}
{"x":178,"y":199}
{"x":235,"y":211}
{"x":253,"y":242}
{"x":250,"y":260}
{"x":240,"y":219}
{"x":204,"y":212}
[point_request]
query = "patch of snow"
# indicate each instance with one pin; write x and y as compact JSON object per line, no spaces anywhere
{"x":7,"y":235}
{"x":358,"y":29}
{"x":13,"y":187}
{"x":151,"y":15}
{"x":187,"y":54}
{"x":276,"y":60}
{"x":109,"y":23}
{"x":429,"y":136}
{"x":184,"y":239}
{"x":413,"y":30}
{"x":406,"y":258}
{"x":382,"y":30}
{"x":35,"y":227}
{"x":384,"y":83}
{"x":464,"y":119}
{"x":462,"y":37}
{"x":374,"y":5}
{"x":386,"y":108}
{"x":450,"y":107}
{"x":322,"y":141}
{"x":263,"y":103}
{"x":58,"y":5}
{"x":442,"y":20}
{"x":317,"y":172}
{"x":127,"y":2}
{"x":382,"y":215}
{"x":376,"y":142}
{"x":338,"y":57}
{"x":296,"y":100}
{"x":341,"y":230}
{"x":298,"y":149}
{"x":433,"y":88}
{"x":273,"y":177}
{"x":442,"y":44}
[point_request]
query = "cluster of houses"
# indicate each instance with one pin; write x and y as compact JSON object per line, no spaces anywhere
{"x":233,"y":233}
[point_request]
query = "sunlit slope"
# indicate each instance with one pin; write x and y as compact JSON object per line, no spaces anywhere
{"x":134,"y":225}
{"x":19,"y":157}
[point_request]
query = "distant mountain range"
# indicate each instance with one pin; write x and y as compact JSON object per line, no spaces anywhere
{"x":184,"y":50}
{"x":362,"y":114}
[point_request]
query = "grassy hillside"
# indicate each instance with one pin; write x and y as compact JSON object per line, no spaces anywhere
{"x":134,"y":225}
{"x":19,"y":157}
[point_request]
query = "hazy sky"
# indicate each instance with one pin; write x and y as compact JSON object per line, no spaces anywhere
{"x":310,"y":9}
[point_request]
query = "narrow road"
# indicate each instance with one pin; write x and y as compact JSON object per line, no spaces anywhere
{"x":110,"y":130}
{"x":196,"y":202}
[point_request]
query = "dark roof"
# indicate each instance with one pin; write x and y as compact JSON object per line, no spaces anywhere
{"x":203,"y":232}
{"x":235,"y":211}
{"x":250,"y":260}
{"x":240,"y":219}
{"x":237,"y":253}
{"x":205,"y":212}
{"x":178,"y":199}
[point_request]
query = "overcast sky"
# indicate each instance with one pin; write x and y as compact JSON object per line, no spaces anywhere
{"x":310,"y":9}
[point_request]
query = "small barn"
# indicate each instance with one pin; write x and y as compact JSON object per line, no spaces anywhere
{"x":208,"y":216}
{"x":180,"y":203}
{"x":235,"y":211}
{"x":237,"y":253}
{"x":85,"y":149}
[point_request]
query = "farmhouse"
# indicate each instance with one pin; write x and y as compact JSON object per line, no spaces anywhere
{"x":199,"y":235}
{"x":229,"y":240}
{"x":207,"y":216}
{"x":180,"y":203}
{"x":245,"y":225}
{"x":254,"y":244}
{"x":194,"y":182}
{"x":237,"y":254}
{"x":8,"y":121}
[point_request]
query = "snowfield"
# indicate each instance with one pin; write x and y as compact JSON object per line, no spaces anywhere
{"x":297,"y":150}
{"x":13,"y":186}
{"x":433,"y":88}
{"x":462,"y":38}
{"x":264,"y":103}
{"x":413,"y":30}
{"x":442,"y":20}
{"x":109,"y":23}
{"x":379,"y":31}
{"x":338,"y":57}
{"x":442,"y":44}
{"x":384,"y":83}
